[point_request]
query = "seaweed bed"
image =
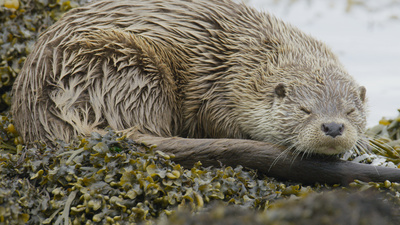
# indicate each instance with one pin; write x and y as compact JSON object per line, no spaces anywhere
{"x":113,"y":180}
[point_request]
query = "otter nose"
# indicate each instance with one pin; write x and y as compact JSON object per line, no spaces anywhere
{"x":333,"y":129}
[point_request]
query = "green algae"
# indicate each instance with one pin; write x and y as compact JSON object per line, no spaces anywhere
{"x":19,"y":29}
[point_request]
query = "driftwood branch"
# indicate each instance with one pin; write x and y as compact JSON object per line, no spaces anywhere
{"x":262,"y":156}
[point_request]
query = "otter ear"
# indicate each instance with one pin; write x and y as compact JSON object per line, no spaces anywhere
{"x":362,"y":90}
{"x":280,"y":90}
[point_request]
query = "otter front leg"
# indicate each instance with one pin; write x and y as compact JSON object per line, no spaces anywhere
{"x":262,"y":156}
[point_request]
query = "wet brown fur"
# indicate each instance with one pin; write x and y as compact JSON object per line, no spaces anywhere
{"x":199,"y":69}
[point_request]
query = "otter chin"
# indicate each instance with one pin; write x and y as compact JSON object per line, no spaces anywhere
{"x":191,"y":69}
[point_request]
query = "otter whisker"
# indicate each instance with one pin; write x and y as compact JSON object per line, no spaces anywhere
{"x":301,"y":151}
{"x":283,"y":153}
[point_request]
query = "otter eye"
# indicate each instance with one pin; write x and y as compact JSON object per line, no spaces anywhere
{"x":306,"y":111}
{"x":351,"y":111}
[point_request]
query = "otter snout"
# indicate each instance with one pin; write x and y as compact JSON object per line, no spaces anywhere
{"x":333,"y":129}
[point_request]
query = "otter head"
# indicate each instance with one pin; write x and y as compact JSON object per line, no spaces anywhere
{"x":308,"y":115}
{"x":326,"y":118}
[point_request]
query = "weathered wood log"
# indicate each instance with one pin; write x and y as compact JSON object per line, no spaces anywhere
{"x":268,"y":159}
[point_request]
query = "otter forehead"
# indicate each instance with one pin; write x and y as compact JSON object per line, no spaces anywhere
{"x":328,"y":96}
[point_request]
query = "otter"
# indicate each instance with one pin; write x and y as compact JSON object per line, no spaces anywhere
{"x":208,"y":69}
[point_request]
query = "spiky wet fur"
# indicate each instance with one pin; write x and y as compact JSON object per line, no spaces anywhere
{"x":203,"y":69}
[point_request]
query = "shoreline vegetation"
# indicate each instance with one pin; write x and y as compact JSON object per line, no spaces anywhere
{"x":113,"y":180}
